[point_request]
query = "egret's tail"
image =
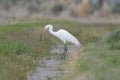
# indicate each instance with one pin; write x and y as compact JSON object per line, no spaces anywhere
{"x":78,"y":43}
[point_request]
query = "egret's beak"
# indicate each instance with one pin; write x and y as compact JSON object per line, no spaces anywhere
{"x":43,"y":31}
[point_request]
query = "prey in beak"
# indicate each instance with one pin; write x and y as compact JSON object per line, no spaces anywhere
{"x":41,"y":36}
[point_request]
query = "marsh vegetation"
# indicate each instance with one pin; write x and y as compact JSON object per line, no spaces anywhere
{"x":21,"y":51}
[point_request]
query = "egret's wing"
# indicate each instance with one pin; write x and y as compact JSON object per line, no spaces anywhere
{"x":65,"y":35}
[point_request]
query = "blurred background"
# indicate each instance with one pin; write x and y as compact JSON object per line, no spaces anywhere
{"x":95,"y":23}
{"x":65,"y":9}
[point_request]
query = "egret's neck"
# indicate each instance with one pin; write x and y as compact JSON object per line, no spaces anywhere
{"x":51,"y":30}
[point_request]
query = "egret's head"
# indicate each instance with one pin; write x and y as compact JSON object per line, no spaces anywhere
{"x":49,"y":26}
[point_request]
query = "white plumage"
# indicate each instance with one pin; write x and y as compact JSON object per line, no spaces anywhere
{"x":63,"y":35}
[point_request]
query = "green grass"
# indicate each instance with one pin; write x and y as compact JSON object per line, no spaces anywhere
{"x":101,"y":58}
{"x":114,"y":39}
{"x":21,"y":49}
{"x":99,"y":63}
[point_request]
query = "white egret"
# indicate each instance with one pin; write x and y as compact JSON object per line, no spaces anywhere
{"x":63,"y":35}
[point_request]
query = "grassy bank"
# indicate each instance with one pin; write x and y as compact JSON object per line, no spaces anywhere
{"x":21,"y":49}
{"x":100,"y":58}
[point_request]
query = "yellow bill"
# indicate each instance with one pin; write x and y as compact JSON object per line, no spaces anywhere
{"x":44,"y":30}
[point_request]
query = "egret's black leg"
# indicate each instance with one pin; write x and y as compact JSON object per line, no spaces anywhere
{"x":65,"y":51}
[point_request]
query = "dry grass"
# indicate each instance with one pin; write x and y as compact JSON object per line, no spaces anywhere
{"x":84,"y":8}
{"x":70,"y":66}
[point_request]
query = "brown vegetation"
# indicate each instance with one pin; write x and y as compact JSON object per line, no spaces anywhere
{"x":84,"y":8}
